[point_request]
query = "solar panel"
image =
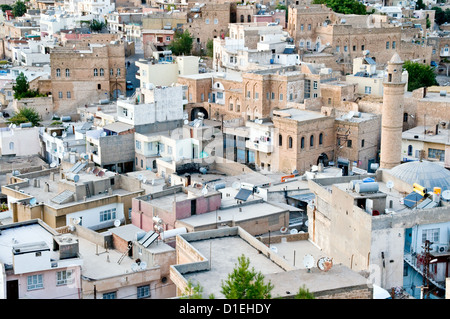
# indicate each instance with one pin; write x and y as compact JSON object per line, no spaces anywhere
{"x":412,"y":199}
{"x":243,"y":194}
{"x":150,"y":239}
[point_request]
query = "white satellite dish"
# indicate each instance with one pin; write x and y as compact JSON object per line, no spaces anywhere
{"x":134,"y":267}
{"x":324,"y":263}
{"x":53,"y":164}
{"x":236,"y":185}
{"x":117,"y":223}
{"x":204,"y":191}
{"x":76,"y":221}
{"x":308,"y":262}
{"x":186,"y":122}
{"x":64,"y":134}
{"x":143,"y":265}
{"x":33,"y":201}
{"x":446,"y":195}
{"x":390,"y":184}
{"x":144,"y":181}
{"x":293,"y":231}
{"x":54,"y":134}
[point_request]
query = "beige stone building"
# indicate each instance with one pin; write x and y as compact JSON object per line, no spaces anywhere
{"x":82,"y":76}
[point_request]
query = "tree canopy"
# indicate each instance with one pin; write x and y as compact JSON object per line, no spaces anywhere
{"x":5,"y":7}
{"x":344,"y":6}
{"x":182,"y":43}
{"x":19,"y":8}
{"x":419,"y":75}
{"x":441,"y":16}
{"x":25,"y":115}
{"x":246,"y":283}
{"x":22,"y":88}
{"x":97,"y":25}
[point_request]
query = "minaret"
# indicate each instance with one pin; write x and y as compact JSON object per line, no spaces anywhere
{"x":392,"y":114}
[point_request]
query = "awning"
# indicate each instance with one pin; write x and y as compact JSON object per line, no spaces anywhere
{"x":243,"y":194}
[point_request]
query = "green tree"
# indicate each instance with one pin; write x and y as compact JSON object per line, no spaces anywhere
{"x":22,"y":88}
{"x":420,"y":5}
{"x":194,"y":292}
{"x":210,"y":48}
{"x":419,"y":75}
{"x":304,"y":293}
{"x":97,"y":25}
{"x":182,"y":43}
{"x":344,"y":6}
{"x":245,"y":283}
{"x":26,"y":115}
{"x":19,"y":9}
{"x":5,"y":7}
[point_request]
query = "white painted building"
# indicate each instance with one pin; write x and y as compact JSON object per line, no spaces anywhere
{"x":19,"y":141}
{"x":152,"y":104}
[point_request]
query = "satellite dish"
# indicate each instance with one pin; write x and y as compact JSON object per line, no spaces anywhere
{"x":144,"y":181}
{"x":54,"y":134}
{"x":324,"y":263}
{"x":134,"y":267}
{"x":293,"y":231}
{"x":33,"y":201}
{"x":140,"y":177}
{"x":308,"y":262}
{"x":117,"y":223}
{"x":64,"y":134}
{"x":143,"y":265}
{"x":204,"y":191}
{"x":53,"y":164}
{"x":390,"y":184}
{"x":186,"y":122}
{"x":446,"y":195}
{"x":236,"y":185}
{"x":76,"y":221}
{"x":283,"y":230}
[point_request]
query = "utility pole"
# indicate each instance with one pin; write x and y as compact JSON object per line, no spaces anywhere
{"x":426,"y":270}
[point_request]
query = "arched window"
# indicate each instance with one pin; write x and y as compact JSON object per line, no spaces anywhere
{"x":320,"y":138}
{"x":95,"y":72}
{"x":302,"y":143}
{"x":311,"y":140}
{"x":280,"y":140}
{"x":242,"y":18}
{"x":11,"y":146}
{"x":410,"y":150}
{"x":102,"y":72}
{"x":249,"y":18}
{"x":67,"y":72}
{"x":405,"y":117}
{"x":58,"y":72}
{"x":290,"y":142}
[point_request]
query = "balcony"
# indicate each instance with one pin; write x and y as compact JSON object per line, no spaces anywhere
{"x":257,"y":145}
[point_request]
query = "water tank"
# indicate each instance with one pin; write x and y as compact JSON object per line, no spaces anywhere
{"x":219,"y":186}
{"x":173,"y":232}
{"x":353,"y":183}
{"x":73,"y":177}
{"x":367,"y":187}
{"x":203,"y":170}
{"x":26,"y":124}
{"x":66,"y":118}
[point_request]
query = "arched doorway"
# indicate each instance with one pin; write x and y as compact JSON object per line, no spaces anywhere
{"x":195,"y":112}
{"x":323,"y":158}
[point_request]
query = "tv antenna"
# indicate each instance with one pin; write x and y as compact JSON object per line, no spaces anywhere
{"x":390,"y":185}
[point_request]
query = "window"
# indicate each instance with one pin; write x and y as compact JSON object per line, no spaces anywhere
{"x":280,"y":140}
{"x":307,"y":89}
{"x":58,"y":72}
{"x":435,"y":153}
{"x":111,"y":72}
{"x":367,"y":89}
{"x":309,"y":27}
{"x":345,"y":48}
{"x":290,"y":142}
{"x":405,"y":117}
{"x":387,"y":44}
{"x":431,"y":235}
{"x":320,"y":138}
{"x":60,"y":95}
{"x":281,"y":96}
{"x":291,"y":97}
{"x":349,"y":143}
{"x":354,"y":48}
{"x":68,"y":94}
{"x":273,"y":96}
{"x":108,"y":214}
{"x":110,"y":295}
{"x":410,"y":150}
{"x":138,"y":145}
{"x":11,"y":146}
{"x":118,"y":71}
{"x":216,"y":21}
{"x":363,"y":142}
{"x":99,"y":86}
{"x":311,"y":141}
{"x":143,"y":291}
{"x":67,"y":72}
{"x":393,"y":44}
{"x":301,"y":27}
{"x":102,"y":72}
{"x":302,"y":143}
{"x":35,"y":282}
{"x":256,"y":95}
{"x":362,"y":47}
{"x":64,"y":277}
{"x":142,"y":163}
{"x":315,"y":85}
{"x":207,"y":21}
{"x":95,"y":72}
{"x":338,"y":48}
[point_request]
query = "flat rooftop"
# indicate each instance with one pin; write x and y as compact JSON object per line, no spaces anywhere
{"x":299,"y":115}
{"x":417,"y":134}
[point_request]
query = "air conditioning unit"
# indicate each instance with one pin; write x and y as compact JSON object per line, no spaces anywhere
{"x":441,"y":248}
{"x":434,"y":248}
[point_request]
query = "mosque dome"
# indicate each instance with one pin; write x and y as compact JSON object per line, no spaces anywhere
{"x":424,"y":173}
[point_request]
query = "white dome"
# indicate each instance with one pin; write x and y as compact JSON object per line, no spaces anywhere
{"x":424,"y":173}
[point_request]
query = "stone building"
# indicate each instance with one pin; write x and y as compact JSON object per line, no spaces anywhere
{"x":82,"y":76}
